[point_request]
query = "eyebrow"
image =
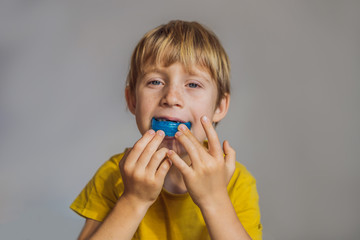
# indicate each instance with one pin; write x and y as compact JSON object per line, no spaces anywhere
{"x":201,"y":74}
{"x":152,"y":71}
{"x":191,"y":72}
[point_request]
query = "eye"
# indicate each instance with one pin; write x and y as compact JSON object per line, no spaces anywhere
{"x":193,"y":85}
{"x":154,"y":82}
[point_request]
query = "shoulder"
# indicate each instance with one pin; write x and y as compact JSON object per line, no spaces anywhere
{"x":241,"y":174}
{"x":108,"y":177}
{"x":102,"y":191}
{"x":111,"y":166}
{"x":244,"y":196}
{"x":242,"y":186}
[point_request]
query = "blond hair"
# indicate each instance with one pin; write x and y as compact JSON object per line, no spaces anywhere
{"x":188,"y":43}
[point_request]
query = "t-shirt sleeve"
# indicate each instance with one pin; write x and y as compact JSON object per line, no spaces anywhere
{"x":101,"y":193}
{"x":245,"y":198}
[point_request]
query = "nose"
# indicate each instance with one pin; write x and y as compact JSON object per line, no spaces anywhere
{"x":172,"y":96}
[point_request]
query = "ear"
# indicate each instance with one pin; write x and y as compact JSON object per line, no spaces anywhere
{"x":130,"y":100}
{"x":222,"y":109}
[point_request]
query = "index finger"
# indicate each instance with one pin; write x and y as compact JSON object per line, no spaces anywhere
{"x":214,"y":143}
{"x":139,"y":147}
{"x":190,"y":143}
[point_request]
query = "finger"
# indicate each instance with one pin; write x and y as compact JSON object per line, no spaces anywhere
{"x":186,"y":131}
{"x":179,"y":163}
{"x":163,"y":170}
{"x":213,"y":139}
{"x":150,"y":149}
{"x":156,"y":160}
{"x":230,"y":158}
{"x":139,"y":147}
{"x":123,"y":159}
{"x":190,"y":143}
{"x":230,"y":154}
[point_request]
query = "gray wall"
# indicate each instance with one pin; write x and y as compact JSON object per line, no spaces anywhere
{"x":294,"y":115}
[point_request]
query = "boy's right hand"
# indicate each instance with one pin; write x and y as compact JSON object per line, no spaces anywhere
{"x":143,"y":169}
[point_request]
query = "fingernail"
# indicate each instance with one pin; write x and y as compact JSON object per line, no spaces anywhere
{"x":151,"y":132}
{"x":205,"y":119}
{"x":178,"y":134}
{"x":170,"y":152}
{"x":160,"y":133}
{"x":182,"y":127}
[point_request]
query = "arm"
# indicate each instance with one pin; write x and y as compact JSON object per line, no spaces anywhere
{"x":122,"y":221}
{"x":206,"y":180}
{"x":143,"y":170}
{"x":89,"y":228}
{"x":222,"y":221}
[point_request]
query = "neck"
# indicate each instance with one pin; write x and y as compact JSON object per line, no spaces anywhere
{"x":174,"y":181}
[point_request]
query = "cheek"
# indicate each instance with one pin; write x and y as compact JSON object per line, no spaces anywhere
{"x":198,"y":130}
{"x":144,"y":106}
{"x":203,"y":108}
{"x":143,"y":115}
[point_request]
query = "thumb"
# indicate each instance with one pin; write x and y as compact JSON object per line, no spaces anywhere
{"x":163,"y":169}
{"x":178,"y":163}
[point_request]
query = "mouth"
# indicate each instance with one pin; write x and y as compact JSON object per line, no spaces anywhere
{"x":168,"y":125}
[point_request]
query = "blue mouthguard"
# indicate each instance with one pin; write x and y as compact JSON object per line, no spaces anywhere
{"x":169,"y":127}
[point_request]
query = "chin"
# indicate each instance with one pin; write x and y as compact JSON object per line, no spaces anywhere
{"x":171,"y":144}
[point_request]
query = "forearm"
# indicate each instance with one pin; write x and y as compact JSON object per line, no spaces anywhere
{"x":122,"y":221}
{"x":221,"y":220}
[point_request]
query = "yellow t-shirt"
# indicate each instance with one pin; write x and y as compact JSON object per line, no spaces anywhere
{"x":172,"y":216}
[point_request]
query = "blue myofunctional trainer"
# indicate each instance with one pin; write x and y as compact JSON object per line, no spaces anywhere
{"x":169,"y":127}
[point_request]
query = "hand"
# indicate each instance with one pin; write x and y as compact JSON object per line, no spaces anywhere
{"x":143,"y":168}
{"x":209,"y":173}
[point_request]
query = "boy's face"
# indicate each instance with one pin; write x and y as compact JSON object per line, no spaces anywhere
{"x":174,"y":94}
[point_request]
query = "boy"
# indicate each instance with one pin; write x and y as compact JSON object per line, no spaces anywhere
{"x":174,"y":187}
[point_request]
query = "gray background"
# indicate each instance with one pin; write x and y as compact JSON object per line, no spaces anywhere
{"x":294,"y":115}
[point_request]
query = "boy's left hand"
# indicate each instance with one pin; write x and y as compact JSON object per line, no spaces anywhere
{"x":209,"y":173}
